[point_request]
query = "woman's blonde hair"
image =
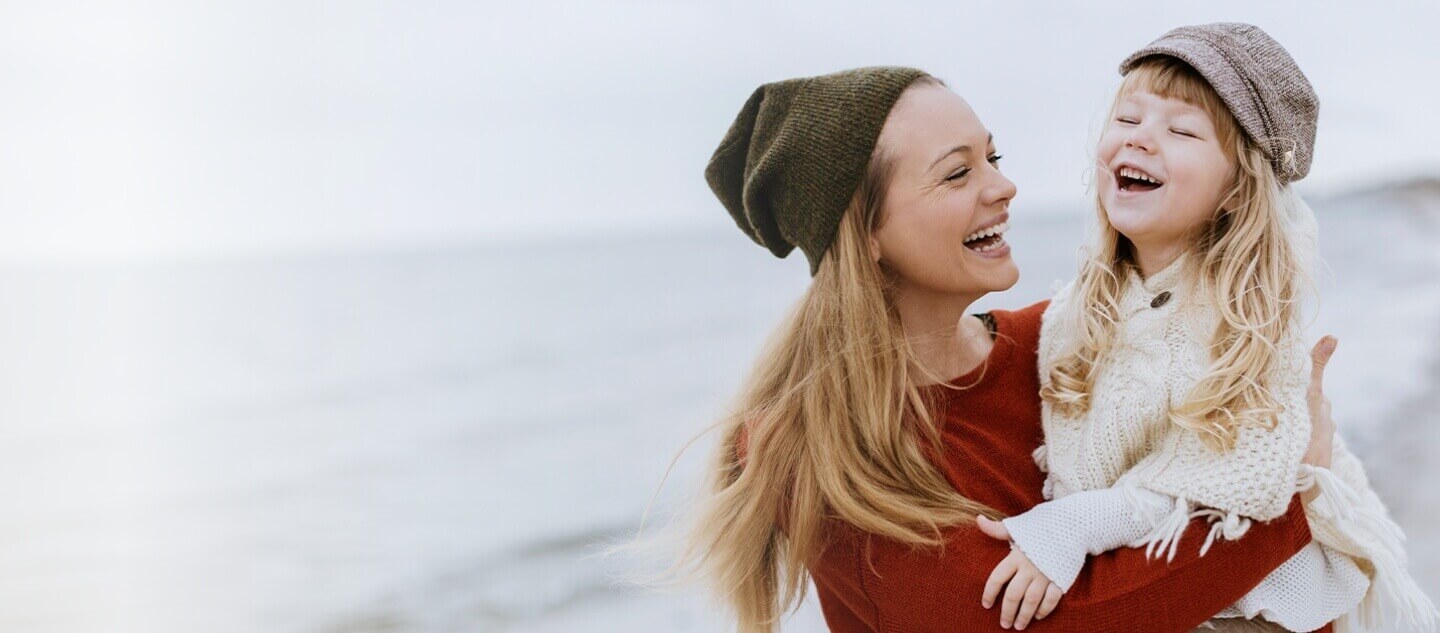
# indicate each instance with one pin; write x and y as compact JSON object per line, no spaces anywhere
{"x":828,"y":426}
{"x":1250,"y":262}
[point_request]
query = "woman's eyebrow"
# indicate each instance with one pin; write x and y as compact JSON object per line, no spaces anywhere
{"x":989,"y":138}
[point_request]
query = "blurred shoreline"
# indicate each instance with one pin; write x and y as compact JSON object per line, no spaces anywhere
{"x":435,"y":440}
{"x":1409,"y":441}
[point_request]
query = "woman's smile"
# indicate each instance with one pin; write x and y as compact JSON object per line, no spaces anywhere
{"x":989,"y":242}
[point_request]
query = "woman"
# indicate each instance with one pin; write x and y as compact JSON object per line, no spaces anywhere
{"x":881,"y":420}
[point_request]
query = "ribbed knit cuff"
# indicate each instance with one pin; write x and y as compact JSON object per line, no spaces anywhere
{"x":1057,"y":535}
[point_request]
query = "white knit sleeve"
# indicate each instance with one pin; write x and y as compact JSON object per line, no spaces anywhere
{"x":1057,"y":535}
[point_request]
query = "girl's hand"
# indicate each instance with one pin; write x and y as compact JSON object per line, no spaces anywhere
{"x":1029,"y":594}
{"x":1322,"y":428}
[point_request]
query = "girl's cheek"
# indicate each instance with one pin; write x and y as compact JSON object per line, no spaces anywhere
{"x":1107,"y":149}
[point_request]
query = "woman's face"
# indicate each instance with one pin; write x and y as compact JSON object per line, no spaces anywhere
{"x":945,"y":208}
{"x":1167,"y":170}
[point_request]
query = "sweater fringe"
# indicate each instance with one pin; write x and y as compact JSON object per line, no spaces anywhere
{"x":1168,"y":521}
{"x":1392,"y":589}
{"x":1230,"y":525}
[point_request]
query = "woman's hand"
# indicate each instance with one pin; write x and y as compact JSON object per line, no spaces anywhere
{"x":1322,"y":428}
{"x":1029,"y":594}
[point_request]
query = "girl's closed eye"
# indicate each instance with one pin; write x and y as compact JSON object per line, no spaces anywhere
{"x":1182,"y":132}
{"x":1127,"y":120}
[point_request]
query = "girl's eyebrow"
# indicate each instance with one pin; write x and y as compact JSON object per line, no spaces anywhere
{"x":958,"y":149}
{"x":1196,"y":115}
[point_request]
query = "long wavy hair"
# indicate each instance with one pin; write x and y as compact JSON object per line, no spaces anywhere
{"x":828,"y":426}
{"x":1250,"y":263}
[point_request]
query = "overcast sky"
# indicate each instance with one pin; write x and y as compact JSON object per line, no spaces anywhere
{"x":160,"y":129}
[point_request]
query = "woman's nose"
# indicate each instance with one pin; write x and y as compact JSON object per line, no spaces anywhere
{"x":1001,"y":190}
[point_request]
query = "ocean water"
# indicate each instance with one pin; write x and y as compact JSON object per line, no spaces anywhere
{"x":436,"y":440}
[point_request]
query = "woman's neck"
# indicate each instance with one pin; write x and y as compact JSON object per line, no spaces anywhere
{"x":944,"y":341}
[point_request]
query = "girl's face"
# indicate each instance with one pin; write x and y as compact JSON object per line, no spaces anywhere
{"x":1163,"y":170}
{"x":946,"y":202}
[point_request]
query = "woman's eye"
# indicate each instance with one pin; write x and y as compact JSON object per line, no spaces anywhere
{"x":1126,"y":120}
{"x":995,"y":159}
{"x":957,"y":175}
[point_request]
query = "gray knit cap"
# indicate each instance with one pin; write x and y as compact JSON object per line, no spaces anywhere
{"x":792,"y":160}
{"x":1258,"y":80}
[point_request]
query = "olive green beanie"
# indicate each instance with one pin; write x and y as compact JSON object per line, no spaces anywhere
{"x":797,"y":152}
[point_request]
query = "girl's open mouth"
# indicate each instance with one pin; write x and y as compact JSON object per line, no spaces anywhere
{"x":1135,"y":181}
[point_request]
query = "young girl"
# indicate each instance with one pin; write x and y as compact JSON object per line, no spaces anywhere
{"x":1173,"y":371}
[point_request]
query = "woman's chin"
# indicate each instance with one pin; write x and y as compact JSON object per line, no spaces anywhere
{"x":1009,"y":279}
{"x":999,"y":277}
{"x":998,"y":266}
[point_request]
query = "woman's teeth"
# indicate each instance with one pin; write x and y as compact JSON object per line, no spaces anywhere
{"x":983,"y":233}
{"x":988,"y":246}
{"x":988,"y":239}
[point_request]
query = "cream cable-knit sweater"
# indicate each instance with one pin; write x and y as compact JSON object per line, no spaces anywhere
{"x":1126,"y":446}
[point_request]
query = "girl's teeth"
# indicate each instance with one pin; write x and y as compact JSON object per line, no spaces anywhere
{"x":1131,"y":173}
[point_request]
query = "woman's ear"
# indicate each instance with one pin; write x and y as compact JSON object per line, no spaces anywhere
{"x":874,"y":249}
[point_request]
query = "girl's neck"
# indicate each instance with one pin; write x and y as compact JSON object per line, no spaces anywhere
{"x":944,"y":342}
{"x":1153,"y":259}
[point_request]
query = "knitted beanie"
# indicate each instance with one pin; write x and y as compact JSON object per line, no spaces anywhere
{"x":796,"y":153}
{"x":1258,"y":80}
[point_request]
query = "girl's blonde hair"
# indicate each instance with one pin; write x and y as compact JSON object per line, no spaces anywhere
{"x":828,"y":426}
{"x":1251,"y":262}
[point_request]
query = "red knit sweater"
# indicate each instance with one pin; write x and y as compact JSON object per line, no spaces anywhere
{"x":989,"y":432}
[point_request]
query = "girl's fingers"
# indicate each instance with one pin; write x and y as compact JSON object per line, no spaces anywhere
{"x":998,"y":578}
{"x":1033,"y":596}
{"x":992,"y":529}
{"x":1052,"y":598}
{"x":1014,"y":595}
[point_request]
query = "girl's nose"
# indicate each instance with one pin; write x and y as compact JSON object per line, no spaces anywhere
{"x":1139,"y":141}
